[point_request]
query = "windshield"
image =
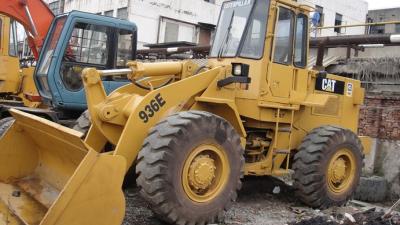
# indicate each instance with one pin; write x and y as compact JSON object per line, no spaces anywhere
{"x":48,"y":50}
{"x":241,"y":29}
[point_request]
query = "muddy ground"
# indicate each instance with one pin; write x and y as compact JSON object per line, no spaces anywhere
{"x":256,"y":205}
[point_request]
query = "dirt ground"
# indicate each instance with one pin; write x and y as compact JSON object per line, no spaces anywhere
{"x":257,"y":205}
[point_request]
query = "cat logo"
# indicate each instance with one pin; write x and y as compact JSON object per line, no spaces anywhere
{"x":328,"y":85}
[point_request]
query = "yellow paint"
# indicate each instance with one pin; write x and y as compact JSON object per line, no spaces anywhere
{"x":205,"y":173}
{"x":9,"y":64}
{"x":281,"y":103}
{"x":15,"y":83}
{"x":341,"y":171}
{"x":48,"y":175}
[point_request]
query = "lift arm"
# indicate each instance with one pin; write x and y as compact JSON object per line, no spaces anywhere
{"x":34,"y":15}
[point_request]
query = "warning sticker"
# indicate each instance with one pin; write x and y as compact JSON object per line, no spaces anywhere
{"x":349,"y":91}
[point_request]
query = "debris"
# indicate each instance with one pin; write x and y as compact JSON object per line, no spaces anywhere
{"x":368,"y":217}
{"x":350,"y":217}
{"x":297,"y":210}
{"x":276,"y":190}
{"x":390,"y":211}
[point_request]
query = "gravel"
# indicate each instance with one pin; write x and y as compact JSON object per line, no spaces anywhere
{"x":262,"y":201}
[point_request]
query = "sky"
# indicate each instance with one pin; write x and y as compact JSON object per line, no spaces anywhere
{"x":382,"y":4}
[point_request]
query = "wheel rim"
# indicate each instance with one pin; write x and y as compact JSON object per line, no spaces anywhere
{"x":205,"y":173}
{"x":341,"y":171}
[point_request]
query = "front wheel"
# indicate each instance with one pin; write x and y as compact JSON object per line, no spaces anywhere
{"x":328,"y":167}
{"x":190,"y":167}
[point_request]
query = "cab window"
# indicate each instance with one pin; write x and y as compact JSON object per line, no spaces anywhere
{"x":13,"y":49}
{"x":1,"y":31}
{"x":300,"y":52}
{"x":253,"y":46}
{"x":284,"y":37}
{"x":88,"y":46}
{"x":124,"y":53}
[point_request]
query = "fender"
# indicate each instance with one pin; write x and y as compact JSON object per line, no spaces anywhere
{"x":124,"y":118}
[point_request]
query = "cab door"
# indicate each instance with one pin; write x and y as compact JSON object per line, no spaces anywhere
{"x":300,"y":60}
{"x":281,"y":70}
{"x":288,"y":73}
{"x":90,"y":44}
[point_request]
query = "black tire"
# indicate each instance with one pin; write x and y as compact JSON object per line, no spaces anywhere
{"x":311,"y":183}
{"x":371,"y":189}
{"x":83,"y":123}
{"x":161,"y":162}
{"x":5,"y":124}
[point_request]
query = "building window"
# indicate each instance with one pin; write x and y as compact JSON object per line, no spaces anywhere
{"x":379,"y":29}
{"x":320,"y":11}
{"x":338,"y":22}
{"x":55,"y":7}
{"x":109,"y":13}
{"x":397,"y":29}
{"x":210,"y":1}
{"x":122,"y":13}
{"x":173,"y":30}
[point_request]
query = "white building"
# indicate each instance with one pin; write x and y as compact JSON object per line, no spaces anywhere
{"x":339,"y":12}
{"x":161,"y":21}
{"x":158,"y":21}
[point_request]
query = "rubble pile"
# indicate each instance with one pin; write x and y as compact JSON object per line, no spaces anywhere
{"x":368,"y":217}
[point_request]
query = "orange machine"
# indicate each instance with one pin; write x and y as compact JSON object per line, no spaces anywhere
{"x":34,"y":15}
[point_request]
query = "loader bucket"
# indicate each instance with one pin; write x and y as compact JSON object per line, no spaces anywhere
{"x":48,"y":175}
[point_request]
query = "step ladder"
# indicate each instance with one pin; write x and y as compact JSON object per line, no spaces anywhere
{"x":279,"y":129}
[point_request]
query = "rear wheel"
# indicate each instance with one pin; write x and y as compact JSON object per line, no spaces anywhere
{"x":190,"y":168}
{"x":328,"y":167}
{"x":5,"y":124}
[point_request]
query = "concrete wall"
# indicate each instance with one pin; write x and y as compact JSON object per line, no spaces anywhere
{"x":148,"y":14}
{"x":380,"y":119}
{"x":384,"y":161}
{"x":386,"y":15}
{"x":354,"y":12}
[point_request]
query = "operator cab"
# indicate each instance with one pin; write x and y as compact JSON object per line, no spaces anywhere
{"x":265,"y":41}
{"x":9,"y":60}
{"x":76,"y":41}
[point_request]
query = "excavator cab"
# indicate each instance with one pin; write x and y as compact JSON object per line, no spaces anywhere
{"x":78,"y":40}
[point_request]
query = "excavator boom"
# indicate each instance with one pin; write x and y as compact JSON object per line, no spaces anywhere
{"x":34,"y":15}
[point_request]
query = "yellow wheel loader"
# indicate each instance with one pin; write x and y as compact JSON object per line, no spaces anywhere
{"x":16,"y":84}
{"x":192,"y":133}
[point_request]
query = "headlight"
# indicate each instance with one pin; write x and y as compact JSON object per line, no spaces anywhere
{"x":237,"y":70}
{"x":240,"y":69}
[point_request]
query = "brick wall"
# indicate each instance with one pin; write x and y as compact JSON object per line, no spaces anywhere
{"x":380,"y":117}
